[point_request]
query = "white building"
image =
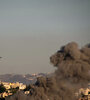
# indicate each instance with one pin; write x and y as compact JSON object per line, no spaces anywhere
{"x":22,"y":86}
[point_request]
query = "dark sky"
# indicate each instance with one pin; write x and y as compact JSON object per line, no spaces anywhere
{"x":32,"y":30}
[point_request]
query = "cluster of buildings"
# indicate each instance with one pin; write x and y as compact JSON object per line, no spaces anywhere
{"x":83,"y":93}
{"x":9,"y":86}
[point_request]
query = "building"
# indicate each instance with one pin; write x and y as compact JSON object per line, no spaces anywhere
{"x":22,"y":86}
{"x":3,"y":95}
{"x":27,"y":92}
{"x":85,"y":94}
{"x":8,"y":86}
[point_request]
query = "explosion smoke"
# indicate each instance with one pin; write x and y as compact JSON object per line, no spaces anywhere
{"x":73,"y":72}
{"x":73,"y":63}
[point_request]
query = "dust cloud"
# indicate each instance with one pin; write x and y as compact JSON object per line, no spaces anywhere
{"x":73,"y":72}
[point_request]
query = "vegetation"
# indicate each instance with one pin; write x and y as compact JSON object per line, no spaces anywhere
{"x":2,"y":88}
{"x":14,"y":90}
{"x":28,"y":87}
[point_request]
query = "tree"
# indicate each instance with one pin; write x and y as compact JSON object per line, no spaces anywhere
{"x":2,"y":88}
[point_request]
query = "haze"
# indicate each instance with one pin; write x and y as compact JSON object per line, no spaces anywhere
{"x":32,"y":30}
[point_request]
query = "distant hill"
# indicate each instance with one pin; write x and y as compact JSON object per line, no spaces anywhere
{"x":25,"y":79}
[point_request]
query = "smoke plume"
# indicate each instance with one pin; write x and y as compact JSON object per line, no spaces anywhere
{"x":73,"y":72}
